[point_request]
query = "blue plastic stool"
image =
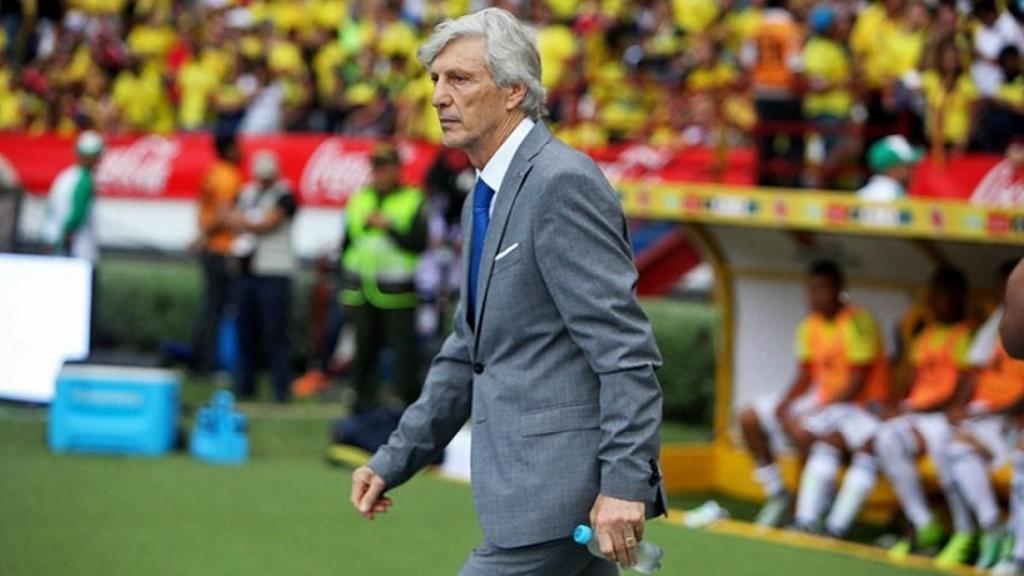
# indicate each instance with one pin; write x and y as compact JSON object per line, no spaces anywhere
{"x":219,"y":435}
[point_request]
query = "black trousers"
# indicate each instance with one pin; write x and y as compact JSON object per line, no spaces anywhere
{"x":263,"y":333}
{"x":377,"y":328}
{"x":786,"y":146}
{"x":217,"y":279}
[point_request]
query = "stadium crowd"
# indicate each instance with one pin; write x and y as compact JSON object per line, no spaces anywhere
{"x":672,"y":73}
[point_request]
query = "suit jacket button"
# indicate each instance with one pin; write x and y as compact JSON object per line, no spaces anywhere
{"x":478,"y":368}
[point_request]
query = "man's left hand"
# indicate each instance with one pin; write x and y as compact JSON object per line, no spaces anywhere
{"x":619,"y":527}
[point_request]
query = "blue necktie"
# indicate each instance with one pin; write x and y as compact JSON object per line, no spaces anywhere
{"x":482,"y":195}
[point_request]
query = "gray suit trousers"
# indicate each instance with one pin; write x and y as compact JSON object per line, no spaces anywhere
{"x":556,"y":558}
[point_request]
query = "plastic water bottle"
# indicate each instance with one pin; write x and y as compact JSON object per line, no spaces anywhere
{"x":648,"y":554}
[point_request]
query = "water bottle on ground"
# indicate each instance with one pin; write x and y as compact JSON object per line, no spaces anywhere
{"x":648,"y":554}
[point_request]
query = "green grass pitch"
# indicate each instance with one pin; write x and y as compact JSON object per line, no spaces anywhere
{"x":286,"y":512}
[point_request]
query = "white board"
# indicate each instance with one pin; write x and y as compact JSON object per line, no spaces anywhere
{"x":44,"y":321}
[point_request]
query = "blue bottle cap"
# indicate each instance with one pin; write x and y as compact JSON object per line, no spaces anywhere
{"x":582,"y":534}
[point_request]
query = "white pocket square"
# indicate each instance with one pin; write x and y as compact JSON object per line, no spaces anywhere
{"x":506,"y":251}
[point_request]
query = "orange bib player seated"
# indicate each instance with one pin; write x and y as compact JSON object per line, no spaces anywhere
{"x":1000,"y":381}
{"x":938,"y":380}
{"x":939,"y":360}
{"x":832,"y":350}
{"x":845,"y":358}
{"x":841,"y":350}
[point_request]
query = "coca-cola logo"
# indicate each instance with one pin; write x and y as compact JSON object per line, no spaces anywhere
{"x":332,"y":173}
{"x":138,"y":169}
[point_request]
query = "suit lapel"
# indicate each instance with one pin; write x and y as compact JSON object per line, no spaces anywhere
{"x":521,"y":164}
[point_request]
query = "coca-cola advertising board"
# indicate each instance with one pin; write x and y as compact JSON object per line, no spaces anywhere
{"x":324,"y":170}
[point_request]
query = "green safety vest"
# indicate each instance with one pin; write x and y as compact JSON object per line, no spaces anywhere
{"x":374,"y":255}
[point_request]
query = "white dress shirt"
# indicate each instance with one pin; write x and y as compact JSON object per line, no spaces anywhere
{"x":494,"y":172}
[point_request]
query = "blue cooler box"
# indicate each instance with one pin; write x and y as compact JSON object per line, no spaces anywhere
{"x":117,"y":410}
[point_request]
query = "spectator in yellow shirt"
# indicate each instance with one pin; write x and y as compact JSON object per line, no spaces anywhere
{"x":140,"y":96}
{"x":738,"y":24}
{"x":152,"y":40}
{"x":828,"y":73}
{"x":951,"y":98}
{"x":555,"y":42}
{"x":874,"y":26}
{"x":695,"y":16}
{"x":1002,"y":116}
{"x":576,"y":125}
{"x":710,"y":72}
{"x":195,"y":84}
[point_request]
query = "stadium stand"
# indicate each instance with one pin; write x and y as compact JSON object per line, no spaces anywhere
{"x":810,"y":93}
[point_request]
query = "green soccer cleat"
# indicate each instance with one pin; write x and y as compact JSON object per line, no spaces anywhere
{"x":929,"y":537}
{"x":957,"y":551}
{"x":775,"y":512}
{"x":990,"y":550}
{"x":901,"y":549}
{"x":925,"y":541}
{"x":1007,"y":552}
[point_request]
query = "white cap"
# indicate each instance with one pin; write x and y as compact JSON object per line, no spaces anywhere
{"x":264,"y":165}
{"x":89,"y":143}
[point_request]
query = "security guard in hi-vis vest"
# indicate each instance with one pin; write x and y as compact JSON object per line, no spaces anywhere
{"x":385,"y":233}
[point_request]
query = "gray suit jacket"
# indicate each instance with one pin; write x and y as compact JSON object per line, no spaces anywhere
{"x":558,"y":373}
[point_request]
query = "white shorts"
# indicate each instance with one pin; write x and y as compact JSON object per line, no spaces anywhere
{"x":991,"y":432}
{"x":765,"y":407}
{"x":934,"y":427}
{"x":854,"y":423}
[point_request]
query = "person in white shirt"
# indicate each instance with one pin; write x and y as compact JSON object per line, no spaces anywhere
{"x":70,"y":226}
{"x":891,"y":161}
{"x":263,"y":223}
{"x":70,"y":229}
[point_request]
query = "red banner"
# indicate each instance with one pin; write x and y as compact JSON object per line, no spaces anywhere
{"x":956,"y":179}
{"x":326,"y":170}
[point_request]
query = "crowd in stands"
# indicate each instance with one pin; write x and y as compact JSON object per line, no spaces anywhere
{"x":673,"y":73}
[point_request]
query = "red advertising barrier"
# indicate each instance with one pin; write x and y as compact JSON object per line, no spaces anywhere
{"x":957,"y":178}
{"x":326,"y":170}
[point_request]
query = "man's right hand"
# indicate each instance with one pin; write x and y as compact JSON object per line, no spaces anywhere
{"x":367,"y":490}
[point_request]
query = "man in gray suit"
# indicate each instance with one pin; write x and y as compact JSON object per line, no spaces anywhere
{"x":551,"y":354}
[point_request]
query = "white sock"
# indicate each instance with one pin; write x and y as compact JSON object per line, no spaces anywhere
{"x":899,"y":467}
{"x":770,"y":479}
{"x":860,"y":479}
{"x":1017,"y":504}
{"x":972,"y":481}
{"x":817,"y":483}
{"x":959,"y":511}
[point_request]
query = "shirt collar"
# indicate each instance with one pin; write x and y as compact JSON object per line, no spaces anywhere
{"x":494,"y":172}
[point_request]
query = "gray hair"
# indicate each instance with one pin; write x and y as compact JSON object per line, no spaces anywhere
{"x":511,"y":58}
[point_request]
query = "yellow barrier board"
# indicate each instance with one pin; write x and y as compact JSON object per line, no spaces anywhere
{"x":821,"y":211}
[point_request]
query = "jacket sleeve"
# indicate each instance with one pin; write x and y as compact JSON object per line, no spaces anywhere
{"x":583,"y":251}
{"x":429,"y":424}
